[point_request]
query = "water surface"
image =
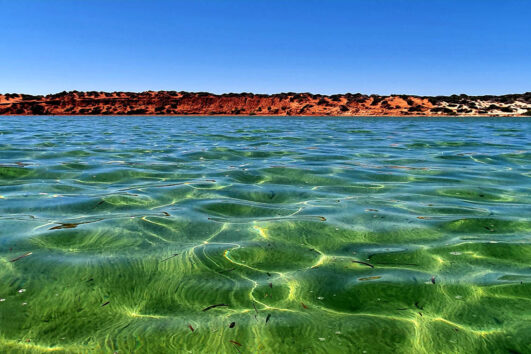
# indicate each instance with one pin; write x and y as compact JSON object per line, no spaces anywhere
{"x":317,"y":235}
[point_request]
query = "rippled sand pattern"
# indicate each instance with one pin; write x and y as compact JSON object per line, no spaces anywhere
{"x":120,"y":234}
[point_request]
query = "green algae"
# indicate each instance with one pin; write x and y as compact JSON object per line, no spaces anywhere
{"x":320,"y":235}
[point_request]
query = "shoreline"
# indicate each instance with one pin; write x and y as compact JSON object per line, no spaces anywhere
{"x":261,"y":116}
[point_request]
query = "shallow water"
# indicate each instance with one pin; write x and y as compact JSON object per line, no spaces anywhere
{"x":320,"y":235}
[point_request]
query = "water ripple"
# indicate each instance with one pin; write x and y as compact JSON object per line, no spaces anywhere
{"x":316,"y":235}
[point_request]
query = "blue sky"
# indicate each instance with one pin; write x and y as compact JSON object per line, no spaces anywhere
{"x":328,"y":46}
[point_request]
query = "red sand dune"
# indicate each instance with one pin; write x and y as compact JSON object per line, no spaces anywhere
{"x":282,"y":104}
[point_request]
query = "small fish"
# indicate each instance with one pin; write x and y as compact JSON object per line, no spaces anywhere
{"x":420,"y":313}
{"x":165,"y":213}
{"x":232,"y":324}
{"x":364,"y":263}
{"x":20,"y":257}
{"x":322,"y":218}
{"x":302,"y":303}
{"x":268,"y":274}
{"x":213,"y":306}
{"x":191,"y":328}
{"x":69,"y":225}
{"x":369,"y":278}
{"x":267,"y":318}
{"x":255,"y":310}
{"x":65,"y":226}
{"x":105,"y":304}
{"x":236,"y":343}
{"x":433,"y":280}
{"x":170,"y":257}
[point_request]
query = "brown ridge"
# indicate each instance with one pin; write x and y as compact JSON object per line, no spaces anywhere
{"x":248,"y":104}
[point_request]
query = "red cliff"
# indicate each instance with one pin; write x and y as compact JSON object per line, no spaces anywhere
{"x":283,"y":104}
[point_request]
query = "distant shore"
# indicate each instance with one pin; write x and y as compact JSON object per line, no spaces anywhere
{"x":248,"y":104}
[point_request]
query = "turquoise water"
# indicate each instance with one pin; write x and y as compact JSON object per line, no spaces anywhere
{"x":313,"y":235}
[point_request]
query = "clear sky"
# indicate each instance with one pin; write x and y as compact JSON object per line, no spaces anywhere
{"x":425,"y":47}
